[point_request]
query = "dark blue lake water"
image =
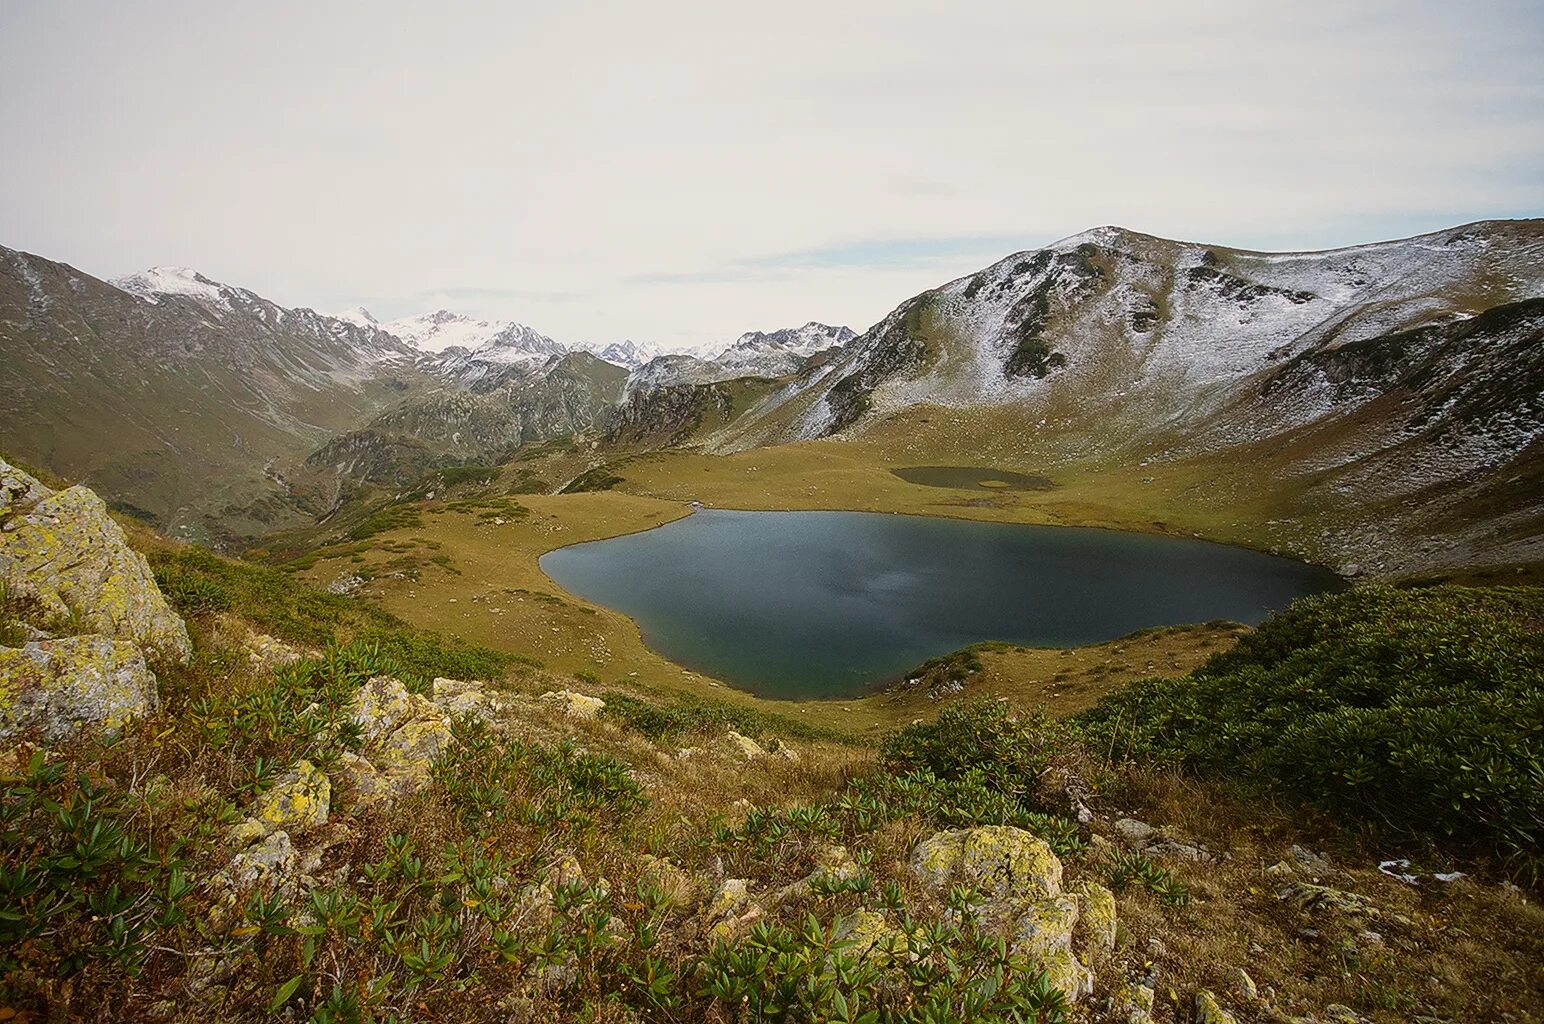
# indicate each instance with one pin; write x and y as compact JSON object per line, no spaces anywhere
{"x":802,"y":604}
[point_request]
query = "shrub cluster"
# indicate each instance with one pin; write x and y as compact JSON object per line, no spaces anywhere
{"x":1419,"y":712}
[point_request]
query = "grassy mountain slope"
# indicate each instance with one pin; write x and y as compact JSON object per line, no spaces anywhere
{"x":194,"y":410}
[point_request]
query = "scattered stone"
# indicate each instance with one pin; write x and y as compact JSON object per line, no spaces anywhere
{"x":574,"y":705}
{"x":1245,"y":986}
{"x":742,"y":746}
{"x":1308,"y":860}
{"x":59,"y":687}
{"x":1134,"y":831}
{"x":1180,"y":851}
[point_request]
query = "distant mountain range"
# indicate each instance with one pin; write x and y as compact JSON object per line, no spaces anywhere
{"x":221,"y":415}
{"x":1398,"y":382}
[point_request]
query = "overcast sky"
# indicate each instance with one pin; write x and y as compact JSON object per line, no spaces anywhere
{"x":681,"y":172}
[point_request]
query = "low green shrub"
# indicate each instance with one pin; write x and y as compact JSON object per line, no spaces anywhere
{"x":1419,"y":713}
{"x":977,"y":735}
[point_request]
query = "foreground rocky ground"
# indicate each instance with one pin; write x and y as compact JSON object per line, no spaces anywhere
{"x":277,"y":810}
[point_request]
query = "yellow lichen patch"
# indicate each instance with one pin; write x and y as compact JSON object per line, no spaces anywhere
{"x":868,"y":934}
{"x":300,"y":800}
{"x":999,"y":860}
{"x":1095,"y":933}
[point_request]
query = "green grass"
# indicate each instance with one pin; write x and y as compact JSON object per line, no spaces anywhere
{"x":686,"y":715}
{"x":1418,"y":714}
{"x":198,"y":582}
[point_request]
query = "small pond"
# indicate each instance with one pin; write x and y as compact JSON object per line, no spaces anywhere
{"x":973,"y":478}
{"x":803,"y":604}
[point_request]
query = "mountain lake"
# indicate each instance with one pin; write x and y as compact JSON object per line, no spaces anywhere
{"x":828,"y":604}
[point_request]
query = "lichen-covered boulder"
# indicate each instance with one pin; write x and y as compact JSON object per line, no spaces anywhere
{"x":572,"y":704}
{"x":742,"y":747}
{"x":59,"y":687}
{"x":298,"y":800}
{"x":1209,"y":1011}
{"x":998,"y":860}
{"x":1095,"y":932}
{"x":63,"y":551}
{"x":454,"y":697}
{"x":1019,"y":882}
{"x":19,"y":491}
{"x":405,"y":732}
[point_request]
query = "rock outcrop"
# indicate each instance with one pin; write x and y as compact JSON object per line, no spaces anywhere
{"x":1018,"y":882}
{"x":95,"y":618}
{"x":63,"y":552}
{"x":60,"y":686}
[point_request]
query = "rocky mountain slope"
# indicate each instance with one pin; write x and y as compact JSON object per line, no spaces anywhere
{"x":188,"y":401}
{"x":764,"y":354}
{"x":1392,"y":375}
{"x":219,"y":415}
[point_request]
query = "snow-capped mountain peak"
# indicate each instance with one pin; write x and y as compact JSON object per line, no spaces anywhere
{"x":628,"y":353}
{"x":358,"y":316}
{"x":776,"y":353}
{"x":151,"y":284}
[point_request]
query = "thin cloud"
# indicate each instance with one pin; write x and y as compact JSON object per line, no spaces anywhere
{"x":681,"y":171}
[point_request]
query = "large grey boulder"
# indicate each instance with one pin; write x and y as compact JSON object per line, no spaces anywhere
{"x":60,"y":686}
{"x":64,"y":552}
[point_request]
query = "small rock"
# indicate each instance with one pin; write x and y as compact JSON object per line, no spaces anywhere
{"x":1244,"y":985}
{"x":742,"y":746}
{"x":1133,"y":830}
{"x":1209,"y":1011}
{"x":1314,"y":863}
{"x":574,"y":705}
